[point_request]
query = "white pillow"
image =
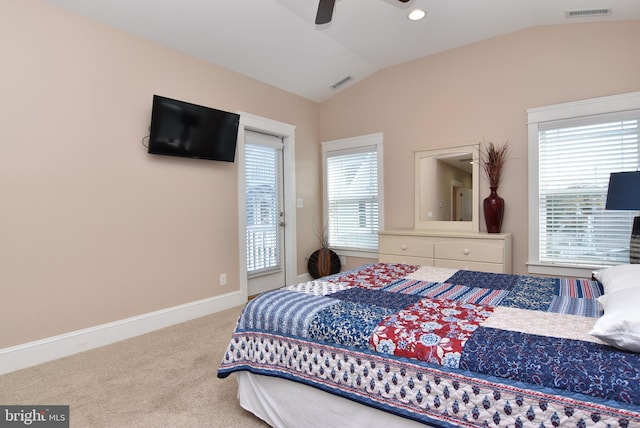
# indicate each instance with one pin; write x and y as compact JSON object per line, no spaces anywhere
{"x":620,"y":324}
{"x":619,"y":277}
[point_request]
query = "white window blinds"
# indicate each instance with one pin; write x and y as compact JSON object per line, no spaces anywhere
{"x":576,"y":157}
{"x":263,"y":184}
{"x":353,"y":199}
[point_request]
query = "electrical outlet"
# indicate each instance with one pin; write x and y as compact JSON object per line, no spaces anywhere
{"x":223,"y":279}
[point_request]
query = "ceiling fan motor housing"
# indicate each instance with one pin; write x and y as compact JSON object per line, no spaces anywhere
{"x":325,"y":11}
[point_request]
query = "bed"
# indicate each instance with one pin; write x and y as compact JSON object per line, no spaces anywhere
{"x":404,"y":345}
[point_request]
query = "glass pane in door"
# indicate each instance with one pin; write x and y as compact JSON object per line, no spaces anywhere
{"x":265,"y":217}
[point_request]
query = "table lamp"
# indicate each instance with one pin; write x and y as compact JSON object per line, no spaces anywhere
{"x":624,"y":194}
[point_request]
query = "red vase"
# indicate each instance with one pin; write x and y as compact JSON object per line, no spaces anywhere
{"x":493,"y":206}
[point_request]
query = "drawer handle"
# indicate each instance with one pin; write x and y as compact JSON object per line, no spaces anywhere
{"x":466,"y":251}
{"x":404,"y":247}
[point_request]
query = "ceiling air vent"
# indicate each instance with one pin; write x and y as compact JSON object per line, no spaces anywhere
{"x":586,"y":13}
{"x":342,"y":82}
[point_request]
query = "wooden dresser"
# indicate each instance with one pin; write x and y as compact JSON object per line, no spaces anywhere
{"x":487,"y":252}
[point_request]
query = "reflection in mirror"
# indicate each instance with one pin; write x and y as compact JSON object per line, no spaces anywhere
{"x":446,"y":184}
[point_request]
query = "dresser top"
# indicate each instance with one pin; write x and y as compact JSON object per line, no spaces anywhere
{"x":445,"y":233}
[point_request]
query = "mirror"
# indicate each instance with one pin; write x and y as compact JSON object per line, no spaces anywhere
{"x":447,"y":189}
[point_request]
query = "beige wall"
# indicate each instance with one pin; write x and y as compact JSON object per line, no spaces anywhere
{"x":482,"y":91}
{"x":92,"y":228}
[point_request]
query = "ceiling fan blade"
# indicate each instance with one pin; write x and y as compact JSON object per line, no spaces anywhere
{"x":325,"y":11}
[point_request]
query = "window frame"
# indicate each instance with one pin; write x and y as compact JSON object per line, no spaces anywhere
{"x":536,"y":116}
{"x":348,"y":144}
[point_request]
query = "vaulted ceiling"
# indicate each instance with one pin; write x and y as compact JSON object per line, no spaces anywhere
{"x":277,"y":41}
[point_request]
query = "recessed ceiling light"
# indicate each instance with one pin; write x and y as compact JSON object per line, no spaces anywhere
{"x":416,"y":14}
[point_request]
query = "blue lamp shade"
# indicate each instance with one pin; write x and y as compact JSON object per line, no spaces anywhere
{"x":624,"y":194}
{"x":624,"y":191}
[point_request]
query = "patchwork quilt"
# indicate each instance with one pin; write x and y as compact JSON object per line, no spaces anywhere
{"x":445,"y":347}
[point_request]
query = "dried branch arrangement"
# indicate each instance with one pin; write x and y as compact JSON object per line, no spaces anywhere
{"x":324,"y":237}
{"x":493,"y":159}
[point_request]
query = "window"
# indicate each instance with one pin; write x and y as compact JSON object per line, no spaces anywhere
{"x":352,"y":170}
{"x":573,"y":148}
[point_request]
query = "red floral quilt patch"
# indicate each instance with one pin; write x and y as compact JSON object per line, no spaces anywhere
{"x":376,"y":275}
{"x":430,"y":330}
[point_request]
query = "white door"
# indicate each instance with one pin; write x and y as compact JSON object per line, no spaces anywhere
{"x":463,"y":203}
{"x":265,"y":213}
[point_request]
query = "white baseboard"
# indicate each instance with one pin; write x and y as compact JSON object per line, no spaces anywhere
{"x":52,"y":348}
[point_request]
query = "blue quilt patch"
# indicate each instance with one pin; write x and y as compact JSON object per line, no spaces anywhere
{"x":283,"y":311}
{"x":575,"y":306}
{"x":532,"y":293}
{"x":484,"y":280}
{"x":347,"y":323}
{"x":571,"y":365}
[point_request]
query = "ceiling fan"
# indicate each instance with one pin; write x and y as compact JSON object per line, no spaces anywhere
{"x":325,"y":11}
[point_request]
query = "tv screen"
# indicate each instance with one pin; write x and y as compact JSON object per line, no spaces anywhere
{"x":179,"y":128}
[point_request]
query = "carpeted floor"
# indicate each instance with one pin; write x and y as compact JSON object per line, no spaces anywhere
{"x":162,"y":379}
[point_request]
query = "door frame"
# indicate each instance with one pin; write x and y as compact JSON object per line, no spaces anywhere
{"x":287,"y":133}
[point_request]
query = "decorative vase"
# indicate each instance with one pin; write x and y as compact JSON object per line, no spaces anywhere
{"x":323,"y":262}
{"x":493,"y":206}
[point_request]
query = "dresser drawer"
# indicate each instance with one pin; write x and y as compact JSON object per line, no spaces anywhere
{"x":471,"y":250}
{"x":408,"y":260}
{"x":471,"y":265}
{"x":417,"y":246}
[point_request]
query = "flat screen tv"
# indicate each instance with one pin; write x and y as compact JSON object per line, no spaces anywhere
{"x":179,"y":128}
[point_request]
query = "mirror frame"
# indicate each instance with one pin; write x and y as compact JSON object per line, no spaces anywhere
{"x":435,"y":225}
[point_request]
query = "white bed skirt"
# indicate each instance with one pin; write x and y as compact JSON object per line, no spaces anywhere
{"x":285,"y":404}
